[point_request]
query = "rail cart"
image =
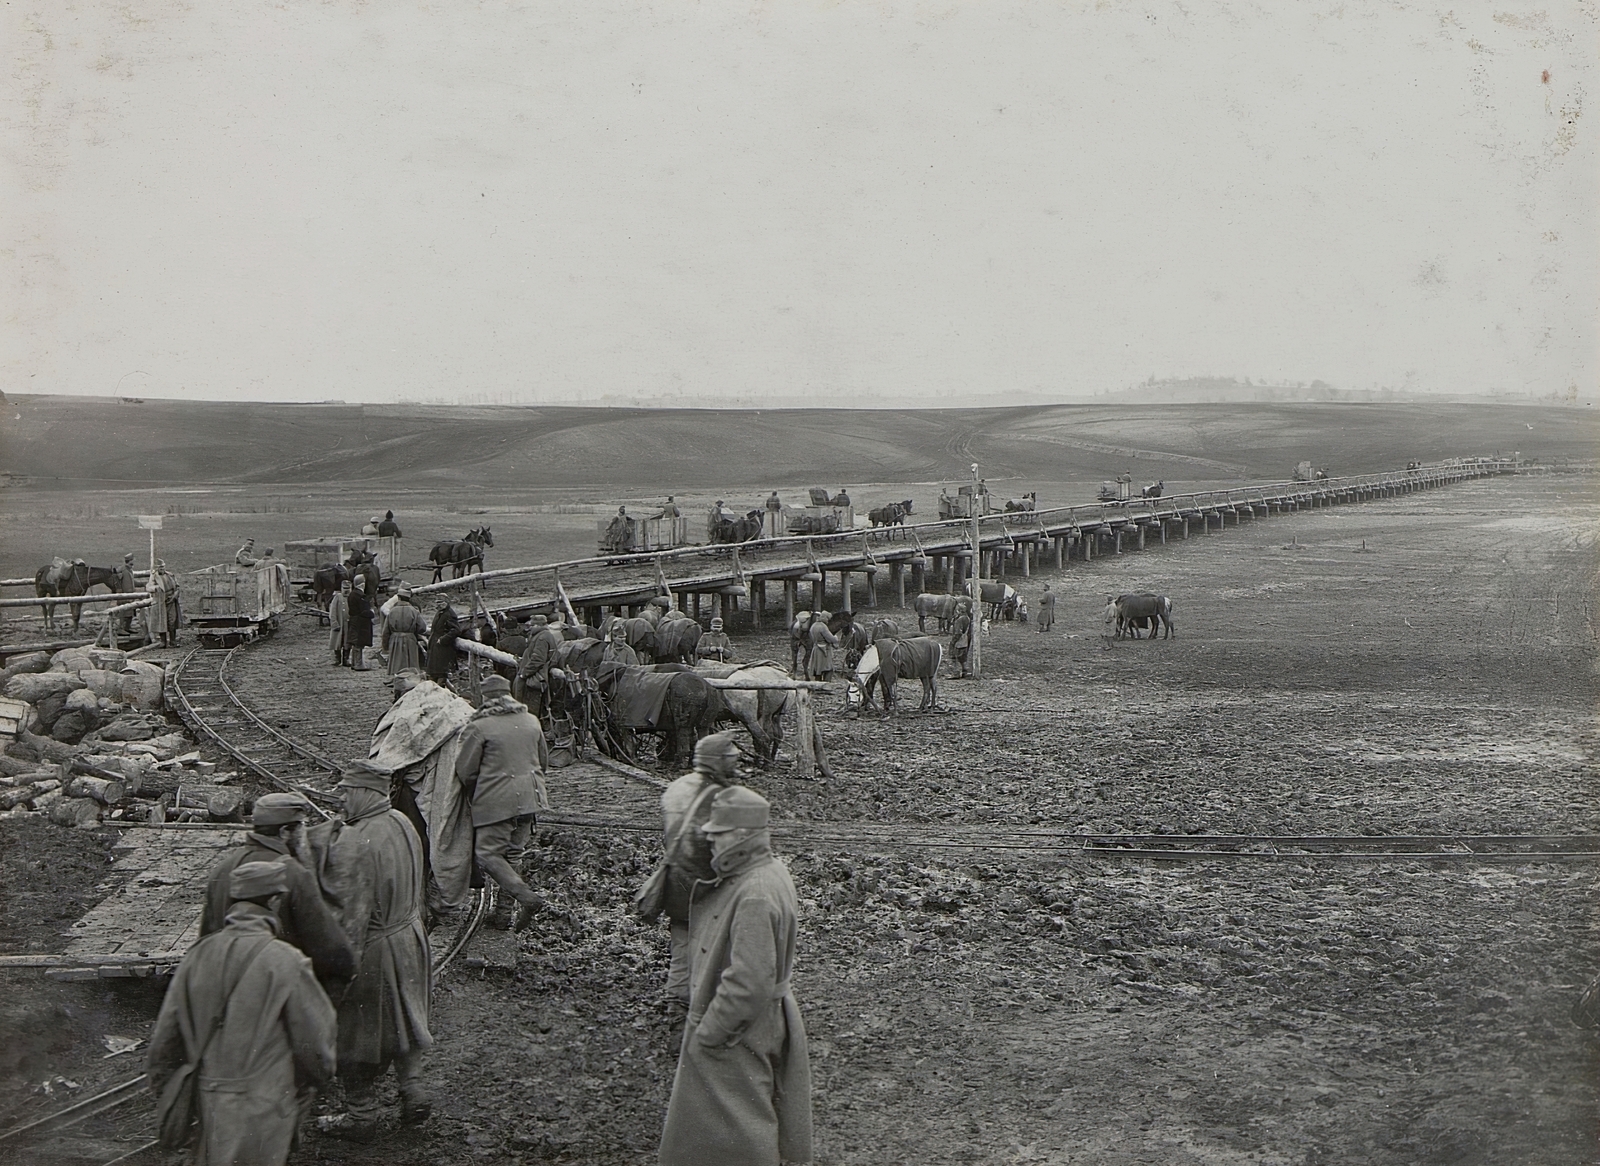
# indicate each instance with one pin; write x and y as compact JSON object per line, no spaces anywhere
{"x":643,"y":535}
{"x":963,"y":503}
{"x":821,"y":516}
{"x":306,"y":556}
{"x":237,"y":604}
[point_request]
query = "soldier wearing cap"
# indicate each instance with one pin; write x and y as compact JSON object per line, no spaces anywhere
{"x":617,"y":649}
{"x":533,"y":670}
{"x":374,"y":870}
{"x":501,"y":762}
{"x":304,"y":918}
{"x":685,"y":807}
{"x":742,"y":1092}
{"x":126,"y":585}
{"x":404,"y":631}
{"x":715,"y":644}
{"x":266,"y":1027}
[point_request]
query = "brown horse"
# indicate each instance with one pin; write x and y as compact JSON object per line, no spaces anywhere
{"x":461,"y":556}
{"x":61,"y":579}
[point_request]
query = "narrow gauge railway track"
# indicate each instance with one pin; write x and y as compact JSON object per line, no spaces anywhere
{"x":199,"y":689}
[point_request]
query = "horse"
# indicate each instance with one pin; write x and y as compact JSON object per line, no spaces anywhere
{"x":889,"y":661}
{"x":1130,"y":607}
{"x":1153,"y":490}
{"x":326,"y":581}
{"x":1028,"y":502}
{"x":675,"y":640}
{"x":1000,"y":599}
{"x":890,"y":514}
{"x":758,"y":710}
{"x":942,"y":607}
{"x":689,"y":708}
{"x":103,"y":577}
{"x":61,"y":578}
{"x":738,"y":530}
{"x":461,"y":556}
{"x":799,"y":639}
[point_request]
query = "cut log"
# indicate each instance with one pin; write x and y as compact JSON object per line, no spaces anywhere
{"x":131,"y":779}
{"x":106,"y":792}
{"x":75,"y":812}
{"x":14,"y":766}
{"x":21,"y":795}
{"x":223,"y":805}
{"x":48,"y":749}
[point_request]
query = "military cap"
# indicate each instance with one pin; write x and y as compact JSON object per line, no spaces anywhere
{"x":276,"y":809}
{"x":716,"y":622}
{"x":363,"y":774}
{"x":257,"y":880}
{"x":715,"y":745}
{"x":737,"y":808}
{"x":494,"y":685}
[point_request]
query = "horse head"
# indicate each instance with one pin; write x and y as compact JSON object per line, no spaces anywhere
{"x":484,"y":538}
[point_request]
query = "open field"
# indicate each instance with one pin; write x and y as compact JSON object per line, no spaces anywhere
{"x":82,"y":442}
{"x":993,"y":1007}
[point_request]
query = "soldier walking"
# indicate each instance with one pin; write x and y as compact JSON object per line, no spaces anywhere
{"x":374,"y":870}
{"x":246,"y":1015}
{"x":742,"y":1092}
{"x":501,"y":765}
{"x":304,"y":918}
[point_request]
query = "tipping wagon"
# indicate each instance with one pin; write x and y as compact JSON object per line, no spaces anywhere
{"x":966,"y":499}
{"x":823,"y":515}
{"x":1117,"y":491}
{"x":305,"y":556}
{"x":237,"y":604}
{"x":641,"y":535}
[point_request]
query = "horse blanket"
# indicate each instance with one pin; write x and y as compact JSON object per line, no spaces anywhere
{"x":637,"y":696}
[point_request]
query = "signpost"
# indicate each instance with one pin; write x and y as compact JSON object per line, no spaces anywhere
{"x":152,"y":523}
{"x":975,"y":652}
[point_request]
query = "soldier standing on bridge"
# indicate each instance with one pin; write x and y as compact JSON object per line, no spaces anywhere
{"x":774,"y":515}
{"x":374,"y":869}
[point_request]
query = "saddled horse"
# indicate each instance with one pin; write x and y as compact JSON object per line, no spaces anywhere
{"x":758,"y":710}
{"x":61,"y":578}
{"x":738,"y":530}
{"x":1139,"y":606}
{"x":102,"y":577}
{"x":675,"y":640}
{"x":638,"y":632}
{"x":1153,"y":490}
{"x":942,"y":607}
{"x":891,"y":660}
{"x":460,"y":556}
{"x":689,"y":709}
{"x":1000,"y":599}
{"x":891,"y":514}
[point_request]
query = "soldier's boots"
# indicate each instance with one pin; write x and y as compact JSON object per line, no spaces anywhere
{"x":360,"y":664}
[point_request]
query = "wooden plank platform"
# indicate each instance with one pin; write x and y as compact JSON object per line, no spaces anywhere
{"x":148,"y":924}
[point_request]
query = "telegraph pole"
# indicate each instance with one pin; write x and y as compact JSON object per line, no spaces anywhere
{"x":976,"y":651}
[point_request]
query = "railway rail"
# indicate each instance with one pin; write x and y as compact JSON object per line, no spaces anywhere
{"x":199,"y":690}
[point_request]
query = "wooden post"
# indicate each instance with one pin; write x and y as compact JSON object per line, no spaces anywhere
{"x":1061,"y":544}
{"x":872,"y":589}
{"x":816,"y":591}
{"x":758,"y":600}
{"x":697,"y":605}
{"x":844,"y":591}
{"x":898,"y":570}
{"x":790,"y":586}
{"x":806,"y":735}
{"x":949,"y":574}
{"x":1087,"y":538}
{"x":1117,"y":539}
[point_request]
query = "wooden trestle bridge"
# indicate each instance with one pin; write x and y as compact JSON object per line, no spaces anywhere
{"x":924,"y":557}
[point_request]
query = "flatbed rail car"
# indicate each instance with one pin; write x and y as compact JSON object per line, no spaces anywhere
{"x":642,"y":535}
{"x":237,"y":604}
{"x":306,"y":556}
{"x":822,"y":516}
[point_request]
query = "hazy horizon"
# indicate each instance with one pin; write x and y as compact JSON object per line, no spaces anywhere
{"x":802,"y":205}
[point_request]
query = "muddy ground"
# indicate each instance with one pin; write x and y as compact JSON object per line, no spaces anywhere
{"x":1423,"y":664}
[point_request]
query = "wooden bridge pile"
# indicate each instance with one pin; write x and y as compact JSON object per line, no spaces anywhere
{"x":934,"y":556}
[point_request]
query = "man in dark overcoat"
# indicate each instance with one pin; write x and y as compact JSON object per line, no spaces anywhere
{"x":742,"y":1091}
{"x":961,"y":633}
{"x":1047,"y":609}
{"x":126,"y":585}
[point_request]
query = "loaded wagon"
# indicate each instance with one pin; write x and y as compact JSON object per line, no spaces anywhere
{"x":306,"y":556}
{"x":237,"y":604}
{"x":967,"y":498}
{"x":1118,"y":491}
{"x":641,"y":535}
{"x":824,"y":515}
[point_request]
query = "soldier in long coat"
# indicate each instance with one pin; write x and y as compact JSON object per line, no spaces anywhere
{"x":275,"y":1039}
{"x":442,"y":635}
{"x":305,"y":920}
{"x":358,"y":632}
{"x":164,"y":612}
{"x":961,"y":641}
{"x":126,"y":585}
{"x":373,"y":870}
{"x":533,"y":670}
{"x":339,"y":623}
{"x":742,"y":1092}
{"x":403,"y":633}
{"x":819,"y":662}
{"x":1047,"y":609}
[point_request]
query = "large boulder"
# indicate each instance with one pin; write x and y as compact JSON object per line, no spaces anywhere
{"x":168,"y":746}
{"x":34,"y":687}
{"x":70,"y":727}
{"x":32,"y":662}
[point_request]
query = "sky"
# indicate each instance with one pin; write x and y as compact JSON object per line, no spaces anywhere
{"x":793,"y":203}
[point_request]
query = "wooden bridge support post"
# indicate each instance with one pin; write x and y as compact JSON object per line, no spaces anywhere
{"x":817,"y":586}
{"x":897,"y":571}
{"x":1117,"y":539}
{"x":871,"y":599}
{"x":758,"y":600}
{"x":949,"y":574}
{"x":805,"y":754}
{"x":1087,"y":539}
{"x":1141,"y":536}
{"x":1185,"y":526}
{"x":1027,"y":554}
{"x":790,"y":587}
{"x":696,"y":602}
{"x":844,"y":592}
{"x":1060,"y":543}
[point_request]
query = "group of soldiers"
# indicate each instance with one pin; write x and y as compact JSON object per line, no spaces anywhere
{"x":314,"y":961}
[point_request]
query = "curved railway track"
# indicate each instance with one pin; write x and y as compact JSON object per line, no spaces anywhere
{"x":198,"y":689}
